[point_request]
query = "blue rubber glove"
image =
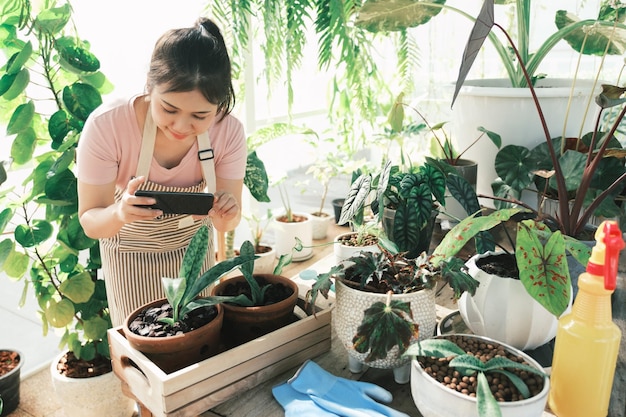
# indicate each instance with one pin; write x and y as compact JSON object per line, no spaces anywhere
{"x":297,"y":404}
{"x":342,"y":396}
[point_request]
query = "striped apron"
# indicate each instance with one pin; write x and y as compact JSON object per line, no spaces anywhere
{"x":135,"y":259}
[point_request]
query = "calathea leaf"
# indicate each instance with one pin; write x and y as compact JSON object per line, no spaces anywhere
{"x":384,"y":326}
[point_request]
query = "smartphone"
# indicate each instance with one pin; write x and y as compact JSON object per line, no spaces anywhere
{"x":177,"y":202}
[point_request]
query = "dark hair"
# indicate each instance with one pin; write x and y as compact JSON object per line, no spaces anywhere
{"x":193,"y":58}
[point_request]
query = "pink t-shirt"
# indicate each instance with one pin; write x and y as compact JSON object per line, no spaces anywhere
{"x":110,"y":144}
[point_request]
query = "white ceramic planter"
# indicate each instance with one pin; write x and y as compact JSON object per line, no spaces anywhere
{"x":343,"y":252}
{"x":350,"y":305}
{"x":491,"y":102}
{"x":433,"y":399}
{"x":320,"y":225}
{"x":99,"y":396}
{"x":286,"y":233}
{"x":265,"y":262}
{"x":503,"y":310}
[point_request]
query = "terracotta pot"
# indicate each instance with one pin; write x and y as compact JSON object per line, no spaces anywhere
{"x":242,"y":324}
{"x":350,"y":305}
{"x":98,"y":396}
{"x":10,"y":385}
{"x":176,"y":352}
{"x":434,"y":399}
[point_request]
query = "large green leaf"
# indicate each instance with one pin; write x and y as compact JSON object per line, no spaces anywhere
{"x":96,"y":328}
{"x":19,"y":82}
{"x":79,"y":288}
{"x":469,"y":227}
{"x":52,"y":20}
{"x":593,"y":42}
{"x":76,"y":55}
{"x":572,"y":165}
{"x":17,"y":61}
{"x":256,"y":178}
{"x":62,"y":187}
{"x":383,"y":327}
{"x":81,"y":99}
{"x":59,"y":126}
{"x":38,"y":232}
{"x":357,"y":196}
{"x":543,"y":269}
{"x":21,"y":118}
{"x":515,"y":166}
{"x":23,"y":146}
{"x":393,"y":15}
{"x":60,"y":314}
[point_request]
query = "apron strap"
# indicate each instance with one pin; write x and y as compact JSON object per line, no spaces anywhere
{"x":205,"y":153}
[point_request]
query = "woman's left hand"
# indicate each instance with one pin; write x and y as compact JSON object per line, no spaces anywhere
{"x":225,"y":206}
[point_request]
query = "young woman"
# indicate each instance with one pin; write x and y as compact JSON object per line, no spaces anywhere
{"x":177,"y":136}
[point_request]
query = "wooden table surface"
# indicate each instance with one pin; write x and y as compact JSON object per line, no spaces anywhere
{"x":259,"y":402}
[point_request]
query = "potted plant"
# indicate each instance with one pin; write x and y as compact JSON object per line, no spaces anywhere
{"x":384,"y":301}
{"x":260,"y":303}
{"x":454,"y":375}
{"x":536,"y":255}
{"x":183,"y":328}
{"x":290,"y":225}
{"x":11,"y":362}
{"x":489,"y":102}
{"x":459,"y":172}
{"x":265,"y":252}
{"x":48,"y":250}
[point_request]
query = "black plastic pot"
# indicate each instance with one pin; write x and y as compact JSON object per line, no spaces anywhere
{"x":10,"y":386}
{"x":337,"y":205}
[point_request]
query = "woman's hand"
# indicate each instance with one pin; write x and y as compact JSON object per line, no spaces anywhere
{"x":225,"y":206}
{"x":127,"y":210}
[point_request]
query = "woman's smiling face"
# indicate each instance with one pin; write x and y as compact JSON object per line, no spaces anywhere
{"x":180,"y":115}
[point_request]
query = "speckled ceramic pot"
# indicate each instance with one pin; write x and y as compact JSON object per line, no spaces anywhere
{"x":348,"y":315}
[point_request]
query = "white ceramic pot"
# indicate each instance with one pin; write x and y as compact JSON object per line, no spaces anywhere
{"x":350,"y":305}
{"x":434,"y":399}
{"x":285,"y":235}
{"x":511,"y":113}
{"x":265,"y":263}
{"x":503,"y":310}
{"x":343,"y":252}
{"x":320,"y":225}
{"x":99,"y":396}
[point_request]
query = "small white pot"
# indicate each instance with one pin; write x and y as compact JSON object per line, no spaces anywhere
{"x":343,"y":252}
{"x":265,"y":263}
{"x":99,"y":396}
{"x":503,"y":310}
{"x":286,"y":233}
{"x":350,"y":305}
{"x":320,"y":225}
{"x":434,"y":399}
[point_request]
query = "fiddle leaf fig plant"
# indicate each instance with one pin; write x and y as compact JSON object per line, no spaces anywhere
{"x":50,"y":82}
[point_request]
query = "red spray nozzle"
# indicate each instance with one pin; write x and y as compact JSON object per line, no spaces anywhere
{"x":613,"y":244}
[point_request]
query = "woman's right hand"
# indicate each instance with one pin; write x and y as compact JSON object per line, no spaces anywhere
{"x":127,"y":208}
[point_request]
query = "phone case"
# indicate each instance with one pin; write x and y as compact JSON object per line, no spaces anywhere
{"x":179,"y":203}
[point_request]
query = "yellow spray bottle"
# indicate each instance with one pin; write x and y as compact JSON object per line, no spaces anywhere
{"x":587,"y":340}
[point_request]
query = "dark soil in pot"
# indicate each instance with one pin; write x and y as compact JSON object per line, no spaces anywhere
{"x":501,"y":387}
{"x":72,"y":367}
{"x":8,"y":361}
{"x":147,"y":322}
{"x":295,"y":219}
{"x":275,"y":293}
{"x":502,"y":265}
{"x":10,"y":367}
